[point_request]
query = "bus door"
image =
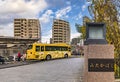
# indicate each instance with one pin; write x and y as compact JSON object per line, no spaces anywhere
{"x":39,"y":52}
{"x":42,"y":54}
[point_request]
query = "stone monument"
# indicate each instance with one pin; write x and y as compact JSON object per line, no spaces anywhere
{"x":99,"y":56}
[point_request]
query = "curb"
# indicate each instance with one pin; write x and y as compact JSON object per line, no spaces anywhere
{"x":9,"y":65}
{"x":76,"y":56}
{"x":13,"y":65}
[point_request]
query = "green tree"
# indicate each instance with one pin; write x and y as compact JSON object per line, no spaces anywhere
{"x":105,"y":11}
{"x":82,"y":30}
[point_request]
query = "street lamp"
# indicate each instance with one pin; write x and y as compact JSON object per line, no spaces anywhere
{"x":95,"y":33}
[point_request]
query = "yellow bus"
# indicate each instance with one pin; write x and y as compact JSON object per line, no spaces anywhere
{"x":39,"y":51}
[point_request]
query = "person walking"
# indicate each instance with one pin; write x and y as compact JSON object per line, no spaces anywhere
{"x":14,"y":57}
{"x":23,"y":57}
{"x":19,"y":56}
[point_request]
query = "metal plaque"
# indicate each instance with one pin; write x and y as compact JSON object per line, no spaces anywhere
{"x":101,"y":65}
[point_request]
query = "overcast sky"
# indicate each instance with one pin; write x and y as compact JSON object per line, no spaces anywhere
{"x":44,"y":10}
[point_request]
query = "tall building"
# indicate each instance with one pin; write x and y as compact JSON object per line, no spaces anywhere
{"x":27,"y":28}
{"x":60,"y":31}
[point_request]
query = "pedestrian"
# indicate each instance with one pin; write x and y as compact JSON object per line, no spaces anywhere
{"x":14,"y":57}
{"x":23,"y":57}
{"x":19,"y":56}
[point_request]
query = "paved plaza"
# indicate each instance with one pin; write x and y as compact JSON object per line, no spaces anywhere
{"x":60,"y":70}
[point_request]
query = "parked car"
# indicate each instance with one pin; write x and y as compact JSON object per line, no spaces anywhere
{"x":2,"y":60}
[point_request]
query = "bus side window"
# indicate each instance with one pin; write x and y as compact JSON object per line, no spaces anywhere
{"x":37,"y":48}
{"x":64,"y":48}
{"x":52,"y":48}
{"x":42,"y":48}
{"x":47,"y":48}
{"x":57,"y":48}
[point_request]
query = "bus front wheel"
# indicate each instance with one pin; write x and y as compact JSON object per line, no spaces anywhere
{"x":66,"y":56}
{"x":48,"y":57}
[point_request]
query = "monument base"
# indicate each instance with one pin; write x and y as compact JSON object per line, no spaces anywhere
{"x":101,"y":70}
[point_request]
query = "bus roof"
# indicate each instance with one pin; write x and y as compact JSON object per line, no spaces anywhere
{"x":55,"y":44}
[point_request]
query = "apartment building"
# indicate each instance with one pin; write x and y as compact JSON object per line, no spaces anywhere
{"x":27,"y":28}
{"x":60,"y":31}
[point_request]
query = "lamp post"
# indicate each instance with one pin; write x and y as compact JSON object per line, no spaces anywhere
{"x":95,"y":33}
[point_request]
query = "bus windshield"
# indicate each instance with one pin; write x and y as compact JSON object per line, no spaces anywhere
{"x":30,"y":46}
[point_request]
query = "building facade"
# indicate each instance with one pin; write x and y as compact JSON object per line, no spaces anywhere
{"x":60,"y":31}
{"x":75,"y":41}
{"x":10,"y":46}
{"x":77,"y":46}
{"x":27,"y":28}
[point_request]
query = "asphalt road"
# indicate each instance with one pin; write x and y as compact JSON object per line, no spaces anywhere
{"x":60,"y":70}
